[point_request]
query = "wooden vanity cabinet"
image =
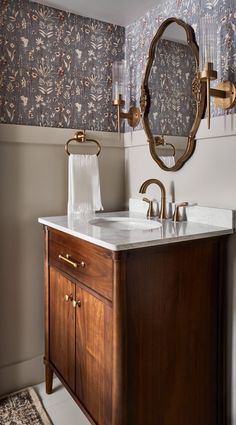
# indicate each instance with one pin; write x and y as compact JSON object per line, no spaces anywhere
{"x":137,"y":336}
{"x":78,"y":337}
{"x":62,"y":326}
{"x":78,"y":323}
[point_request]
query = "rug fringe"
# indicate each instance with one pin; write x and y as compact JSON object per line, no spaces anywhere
{"x":36,"y":401}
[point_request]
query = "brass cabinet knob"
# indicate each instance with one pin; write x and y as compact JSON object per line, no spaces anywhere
{"x":68,"y":297}
{"x":76,"y":303}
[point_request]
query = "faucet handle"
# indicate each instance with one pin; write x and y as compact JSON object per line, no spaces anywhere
{"x":150,"y":211}
{"x":176,"y":216}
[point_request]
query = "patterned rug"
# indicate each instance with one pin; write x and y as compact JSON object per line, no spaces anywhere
{"x":23,"y":408}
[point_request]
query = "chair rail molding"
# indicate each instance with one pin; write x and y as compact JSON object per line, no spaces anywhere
{"x":14,"y":133}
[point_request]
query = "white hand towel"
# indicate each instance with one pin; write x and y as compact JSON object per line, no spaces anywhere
{"x":169,"y":161}
{"x":84,"y":193}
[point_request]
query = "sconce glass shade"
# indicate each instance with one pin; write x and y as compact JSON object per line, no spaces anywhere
{"x":208,"y":42}
{"x":118,"y":80}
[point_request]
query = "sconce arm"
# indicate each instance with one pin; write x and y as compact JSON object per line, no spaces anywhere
{"x":133,"y":116}
{"x":222,"y":94}
{"x":125,"y":115}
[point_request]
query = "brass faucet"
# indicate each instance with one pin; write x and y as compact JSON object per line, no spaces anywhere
{"x":143,"y":188}
{"x":150,"y":211}
{"x":176,"y":216}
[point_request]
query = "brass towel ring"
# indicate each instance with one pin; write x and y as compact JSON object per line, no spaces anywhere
{"x":170,"y":144}
{"x":160,"y":141}
{"x":81,"y":138}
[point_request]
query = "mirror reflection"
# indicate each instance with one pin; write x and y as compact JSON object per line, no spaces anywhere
{"x":172,"y":106}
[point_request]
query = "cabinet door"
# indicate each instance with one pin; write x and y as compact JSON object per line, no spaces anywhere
{"x":94,"y":356}
{"x":62,"y":326}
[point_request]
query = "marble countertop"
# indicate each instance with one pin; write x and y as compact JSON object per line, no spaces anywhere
{"x":117,"y":240}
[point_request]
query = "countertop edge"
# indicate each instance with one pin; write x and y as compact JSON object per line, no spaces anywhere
{"x":135,"y":245}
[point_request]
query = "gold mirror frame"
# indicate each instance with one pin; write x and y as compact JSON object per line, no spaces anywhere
{"x":198,"y":90}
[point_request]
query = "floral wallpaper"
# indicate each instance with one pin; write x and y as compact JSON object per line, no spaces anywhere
{"x":55,"y":67}
{"x":140,"y":33}
{"x":173,"y":107}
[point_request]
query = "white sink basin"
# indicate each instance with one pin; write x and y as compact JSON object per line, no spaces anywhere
{"x":125,"y":223}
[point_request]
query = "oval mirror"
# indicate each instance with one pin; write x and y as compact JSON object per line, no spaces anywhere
{"x":172,"y":95}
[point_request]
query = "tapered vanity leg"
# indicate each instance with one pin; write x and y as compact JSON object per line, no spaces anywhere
{"x":48,"y":378}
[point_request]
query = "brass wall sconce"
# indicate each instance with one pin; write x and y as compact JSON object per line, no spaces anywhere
{"x":225,"y":92}
{"x":119,"y":83}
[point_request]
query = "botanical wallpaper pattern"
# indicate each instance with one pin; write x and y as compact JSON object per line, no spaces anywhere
{"x":55,"y":67}
{"x":140,"y":33}
{"x":173,"y":107}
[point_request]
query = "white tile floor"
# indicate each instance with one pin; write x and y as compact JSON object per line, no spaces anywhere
{"x":60,"y":406}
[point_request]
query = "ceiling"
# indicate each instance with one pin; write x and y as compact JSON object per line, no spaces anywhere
{"x":120,"y":12}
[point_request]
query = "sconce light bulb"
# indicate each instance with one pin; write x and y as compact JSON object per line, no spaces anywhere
{"x":208,"y":43}
{"x":118,"y":80}
{"x":116,"y":90}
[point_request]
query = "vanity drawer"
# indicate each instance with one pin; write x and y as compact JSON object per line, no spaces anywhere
{"x":83,"y":261}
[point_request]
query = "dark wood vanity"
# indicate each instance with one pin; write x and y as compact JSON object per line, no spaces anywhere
{"x":137,"y":336}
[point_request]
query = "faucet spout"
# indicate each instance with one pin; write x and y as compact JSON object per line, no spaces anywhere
{"x":143,"y":188}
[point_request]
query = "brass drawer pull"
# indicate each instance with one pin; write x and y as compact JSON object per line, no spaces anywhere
{"x":67,"y":260}
{"x":72,"y":263}
{"x":76,"y":303}
{"x":68,"y":297}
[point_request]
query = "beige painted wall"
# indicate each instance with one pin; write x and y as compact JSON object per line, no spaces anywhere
{"x":208,"y":178}
{"x":33,"y":180}
{"x":33,"y":176}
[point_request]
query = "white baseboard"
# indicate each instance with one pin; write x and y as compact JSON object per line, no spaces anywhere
{"x":21,"y":375}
